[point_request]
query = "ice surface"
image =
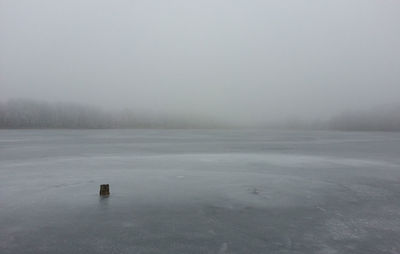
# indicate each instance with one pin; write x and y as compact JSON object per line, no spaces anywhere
{"x":199,"y":191}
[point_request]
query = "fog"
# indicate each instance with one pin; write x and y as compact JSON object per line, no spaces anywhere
{"x":244,"y":62}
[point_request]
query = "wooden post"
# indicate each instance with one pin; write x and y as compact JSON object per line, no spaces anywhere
{"x":104,"y":190}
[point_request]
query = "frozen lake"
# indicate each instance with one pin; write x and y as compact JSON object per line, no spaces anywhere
{"x":199,"y":191}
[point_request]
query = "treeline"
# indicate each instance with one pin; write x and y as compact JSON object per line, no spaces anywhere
{"x":24,"y":114}
{"x":30,"y":114}
{"x":385,"y":118}
{"x":382,"y":118}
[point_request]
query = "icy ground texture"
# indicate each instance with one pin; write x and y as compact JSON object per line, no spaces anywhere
{"x":199,"y":191}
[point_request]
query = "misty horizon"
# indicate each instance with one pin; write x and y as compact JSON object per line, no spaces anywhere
{"x":28,"y":113}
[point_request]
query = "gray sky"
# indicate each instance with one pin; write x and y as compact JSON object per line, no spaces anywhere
{"x":239,"y":59}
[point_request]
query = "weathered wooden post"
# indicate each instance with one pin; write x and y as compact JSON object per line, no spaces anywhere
{"x":104,"y":190}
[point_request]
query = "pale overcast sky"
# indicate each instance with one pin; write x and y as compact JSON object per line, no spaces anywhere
{"x":240,"y":59}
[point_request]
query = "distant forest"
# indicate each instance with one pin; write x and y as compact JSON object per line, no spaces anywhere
{"x":384,"y":118}
{"x":31,"y":114}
